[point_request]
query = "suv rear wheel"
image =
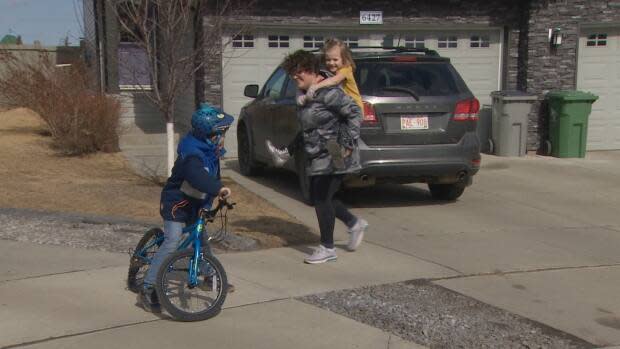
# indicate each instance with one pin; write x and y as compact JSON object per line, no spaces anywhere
{"x":449,"y":192}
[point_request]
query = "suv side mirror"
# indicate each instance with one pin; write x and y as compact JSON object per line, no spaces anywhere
{"x":251,"y":91}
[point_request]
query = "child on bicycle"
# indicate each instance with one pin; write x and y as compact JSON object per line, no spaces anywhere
{"x":339,"y":62}
{"x":194,"y":183}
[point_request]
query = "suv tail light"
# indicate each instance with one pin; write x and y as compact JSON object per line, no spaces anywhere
{"x":370,"y":118}
{"x":467,"y":110}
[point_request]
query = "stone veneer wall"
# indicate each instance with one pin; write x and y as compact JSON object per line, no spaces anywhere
{"x":556,"y":68}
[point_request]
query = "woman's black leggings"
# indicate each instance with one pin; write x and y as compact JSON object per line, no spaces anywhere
{"x":327,"y":208}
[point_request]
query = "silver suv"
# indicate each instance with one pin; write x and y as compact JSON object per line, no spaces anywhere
{"x":419,"y":123}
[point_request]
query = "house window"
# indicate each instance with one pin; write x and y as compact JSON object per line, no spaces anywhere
{"x":133,"y":67}
{"x":447,"y":42}
{"x":245,"y":41}
{"x":478,"y":41}
{"x":313,"y":41}
{"x":133,"y":61}
{"x":597,"y":40}
{"x":351,"y":41}
{"x":278,"y":41}
{"x":414,"y":42}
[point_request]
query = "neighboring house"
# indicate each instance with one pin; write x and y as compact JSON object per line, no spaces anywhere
{"x":57,"y":55}
{"x":119,"y":67}
{"x":495,"y":44}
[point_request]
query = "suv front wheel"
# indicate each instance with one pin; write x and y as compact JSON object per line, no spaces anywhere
{"x":247,"y":165}
{"x":448,"y":192}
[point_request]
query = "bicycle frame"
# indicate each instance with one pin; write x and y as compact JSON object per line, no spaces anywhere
{"x":198,"y":238}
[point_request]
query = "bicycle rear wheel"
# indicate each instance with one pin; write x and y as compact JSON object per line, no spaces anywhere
{"x":139,"y":263}
{"x":185,"y":302}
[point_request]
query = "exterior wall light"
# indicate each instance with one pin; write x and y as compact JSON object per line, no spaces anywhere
{"x":555,"y":37}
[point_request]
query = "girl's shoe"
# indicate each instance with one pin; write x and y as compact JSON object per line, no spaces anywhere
{"x":321,"y":255}
{"x":278,"y":156}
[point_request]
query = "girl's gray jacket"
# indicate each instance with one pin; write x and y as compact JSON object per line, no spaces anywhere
{"x":331,"y":115}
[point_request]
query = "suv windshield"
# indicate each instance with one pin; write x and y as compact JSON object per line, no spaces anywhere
{"x":398,"y":78}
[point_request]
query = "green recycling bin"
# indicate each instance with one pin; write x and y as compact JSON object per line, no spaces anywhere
{"x":568,"y":122}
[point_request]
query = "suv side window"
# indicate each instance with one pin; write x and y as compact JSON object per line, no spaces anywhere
{"x":291,"y":89}
{"x":273,"y":87}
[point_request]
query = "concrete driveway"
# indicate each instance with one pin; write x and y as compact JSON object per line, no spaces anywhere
{"x":537,"y":236}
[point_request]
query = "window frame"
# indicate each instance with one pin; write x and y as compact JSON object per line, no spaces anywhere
{"x":481,"y":41}
{"x":244,"y":40}
{"x":279,"y":40}
{"x":597,"y":40}
{"x":448,"y":40}
{"x":315,"y":41}
{"x":412,"y":41}
{"x":352,"y":41}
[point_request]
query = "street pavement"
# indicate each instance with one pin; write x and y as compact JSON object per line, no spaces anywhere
{"x":65,"y":305}
{"x":535,"y":236}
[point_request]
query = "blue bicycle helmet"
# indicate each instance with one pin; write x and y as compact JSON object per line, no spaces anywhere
{"x":208,"y":121}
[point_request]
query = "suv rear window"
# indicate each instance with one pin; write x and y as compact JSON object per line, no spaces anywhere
{"x":423,"y":78}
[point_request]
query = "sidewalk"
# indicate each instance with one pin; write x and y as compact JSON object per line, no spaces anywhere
{"x":60,"y":305}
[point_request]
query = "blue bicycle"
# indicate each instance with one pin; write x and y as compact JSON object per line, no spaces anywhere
{"x":191,"y":283}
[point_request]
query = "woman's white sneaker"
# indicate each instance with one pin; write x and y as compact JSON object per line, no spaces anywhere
{"x":321,"y":255}
{"x":356,"y":234}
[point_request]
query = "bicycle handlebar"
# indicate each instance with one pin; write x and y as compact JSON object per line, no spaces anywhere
{"x":210,"y":214}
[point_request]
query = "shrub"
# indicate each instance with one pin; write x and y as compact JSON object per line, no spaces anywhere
{"x":80,"y":120}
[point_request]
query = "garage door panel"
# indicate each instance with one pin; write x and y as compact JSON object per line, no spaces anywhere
{"x":599,"y":72}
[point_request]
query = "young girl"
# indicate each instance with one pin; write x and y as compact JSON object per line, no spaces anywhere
{"x":339,"y":62}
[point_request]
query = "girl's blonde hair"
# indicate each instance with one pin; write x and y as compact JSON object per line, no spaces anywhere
{"x":345,"y":52}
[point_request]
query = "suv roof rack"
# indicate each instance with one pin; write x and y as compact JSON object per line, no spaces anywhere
{"x":397,"y":49}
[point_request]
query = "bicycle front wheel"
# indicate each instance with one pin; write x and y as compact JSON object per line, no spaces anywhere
{"x":187,"y":302}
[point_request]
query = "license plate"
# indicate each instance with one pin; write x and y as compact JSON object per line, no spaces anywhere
{"x":414,"y":122}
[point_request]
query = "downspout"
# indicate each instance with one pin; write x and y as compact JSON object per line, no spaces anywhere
{"x":104,"y":48}
{"x":524,"y":30}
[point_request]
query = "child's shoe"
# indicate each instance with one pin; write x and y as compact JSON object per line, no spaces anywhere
{"x":321,"y":255}
{"x":278,"y":156}
{"x":149,"y":300}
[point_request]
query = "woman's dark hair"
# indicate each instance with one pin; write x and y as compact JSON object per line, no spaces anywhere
{"x":300,"y":60}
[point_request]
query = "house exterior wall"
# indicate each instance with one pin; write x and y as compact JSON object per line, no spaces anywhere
{"x":556,"y":68}
{"x":529,"y":63}
{"x":442,"y":14}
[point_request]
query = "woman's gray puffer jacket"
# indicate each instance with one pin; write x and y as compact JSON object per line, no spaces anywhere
{"x":330,"y":116}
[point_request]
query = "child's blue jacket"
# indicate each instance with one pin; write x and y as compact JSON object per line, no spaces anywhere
{"x":194,"y":182}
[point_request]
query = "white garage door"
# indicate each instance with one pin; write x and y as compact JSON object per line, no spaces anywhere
{"x":599,"y":72}
{"x":251,"y":58}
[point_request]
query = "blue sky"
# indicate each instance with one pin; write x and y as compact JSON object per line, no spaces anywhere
{"x":48,"y":21}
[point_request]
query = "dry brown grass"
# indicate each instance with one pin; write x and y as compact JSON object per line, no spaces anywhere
{"x":34,"y":176}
